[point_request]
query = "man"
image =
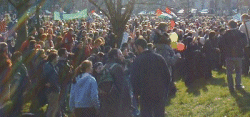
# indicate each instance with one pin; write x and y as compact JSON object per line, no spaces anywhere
{"x":233,"y":43}
{"x":222,"y":57}
{"x":149,"y":77}
{"x":211,"y":51}
{"x":65,"y":74}
{"x":50,"y":72}
{"x":117,"y":103}
{"x":245,"y":28}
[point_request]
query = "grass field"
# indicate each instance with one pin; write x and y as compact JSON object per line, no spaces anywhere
{"x":210,"y":98}
{"x":205,"y":98}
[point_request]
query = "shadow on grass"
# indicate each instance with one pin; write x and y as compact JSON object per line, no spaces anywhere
{"x":201,"y":84}
{"x":242,"y":100}
{"x":222,"y":71}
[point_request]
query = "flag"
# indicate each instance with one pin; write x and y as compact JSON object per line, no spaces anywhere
{"x":172,"y":24}
{"x":165,"y":16}
{"x":158,"y":12}
{"x":168,"y":10}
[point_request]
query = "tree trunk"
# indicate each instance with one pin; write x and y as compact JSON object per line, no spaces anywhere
{"x":22,"y":33}
{"x":118,"y":30}
{"x":37,"y":19}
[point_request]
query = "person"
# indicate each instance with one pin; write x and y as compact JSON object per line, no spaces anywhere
{"x":158,"y":32}
{"x":84,"y":99}
{"x":50,"y":73}
{"x":149,"y":77}
{"x":117,"y":101}
{"x":233,"y":42}
{"x":97,"y":68}
{"x":163,"y":48}
{"x":211,"y":51}
{"x":5,"y":71}
{"x":18,"y":82}
{"x":39,"y":91}
{"x":245,"y":28}
{"x":65,"y":74}
{"x":68,"y":40}
{"x":222,"y":57}
{"x":96,"y":46}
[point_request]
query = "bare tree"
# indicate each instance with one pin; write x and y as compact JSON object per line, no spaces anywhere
{"x":21,"y":6}
{"x":118,"y":19}
{"x":38,"y":9}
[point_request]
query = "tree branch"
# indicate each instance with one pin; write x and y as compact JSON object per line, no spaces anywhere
{"x":129,"y":9}
{"x":119,"y":8}
{"x":108,"y":5}
{"x":13,"y":3}
{"x":99,"y":7}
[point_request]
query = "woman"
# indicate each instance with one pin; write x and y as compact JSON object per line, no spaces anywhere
{"x":84,"y":94}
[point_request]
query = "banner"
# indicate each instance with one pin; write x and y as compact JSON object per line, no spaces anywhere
{"x":81,"y":14}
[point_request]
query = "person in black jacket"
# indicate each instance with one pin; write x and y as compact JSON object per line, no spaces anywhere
{"x":233,"y":42}
{"x":149,"y":76}
{"x":211,"y":51}
{"x":50,"y":73}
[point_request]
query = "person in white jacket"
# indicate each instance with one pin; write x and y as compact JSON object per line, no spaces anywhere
{"x":245,"y":28}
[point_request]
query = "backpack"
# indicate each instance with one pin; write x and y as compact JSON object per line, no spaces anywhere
{"x":106,"y":75}
{"x":113,"y":93}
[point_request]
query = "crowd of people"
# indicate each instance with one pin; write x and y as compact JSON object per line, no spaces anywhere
{"x":80,"y":64}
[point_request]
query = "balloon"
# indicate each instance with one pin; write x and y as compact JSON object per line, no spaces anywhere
{"x":174,"y":37}
{"x":174,"y":45}
{"x":180,"y":47}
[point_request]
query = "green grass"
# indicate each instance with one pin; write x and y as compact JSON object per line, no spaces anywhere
{"x":205,"y":98}
{"x":210,"y":98}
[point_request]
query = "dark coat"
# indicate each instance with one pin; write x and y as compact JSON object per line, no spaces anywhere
{"x":65,"y":72}
{"x":50,"y":73}
{"x":150,"y":76}
{"x":122,"y":105}
{"x":210,"y":49}
{"x":233,"y":42}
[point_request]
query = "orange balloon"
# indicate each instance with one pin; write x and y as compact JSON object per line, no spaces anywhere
{"x":180,"y":47}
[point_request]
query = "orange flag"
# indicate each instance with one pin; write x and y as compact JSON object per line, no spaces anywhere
{"x":168,"y":10}
{"x":158,"y":12}
{"x":172,"y":24}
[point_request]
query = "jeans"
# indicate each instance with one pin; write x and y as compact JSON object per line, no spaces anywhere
{"x":231,"y":64}
{"x":53,"y":101}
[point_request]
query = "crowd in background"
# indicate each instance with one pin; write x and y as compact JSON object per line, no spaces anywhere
{"x":80,"y":64}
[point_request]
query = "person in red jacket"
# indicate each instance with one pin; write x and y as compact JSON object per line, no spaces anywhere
{"x":68,"y":40}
